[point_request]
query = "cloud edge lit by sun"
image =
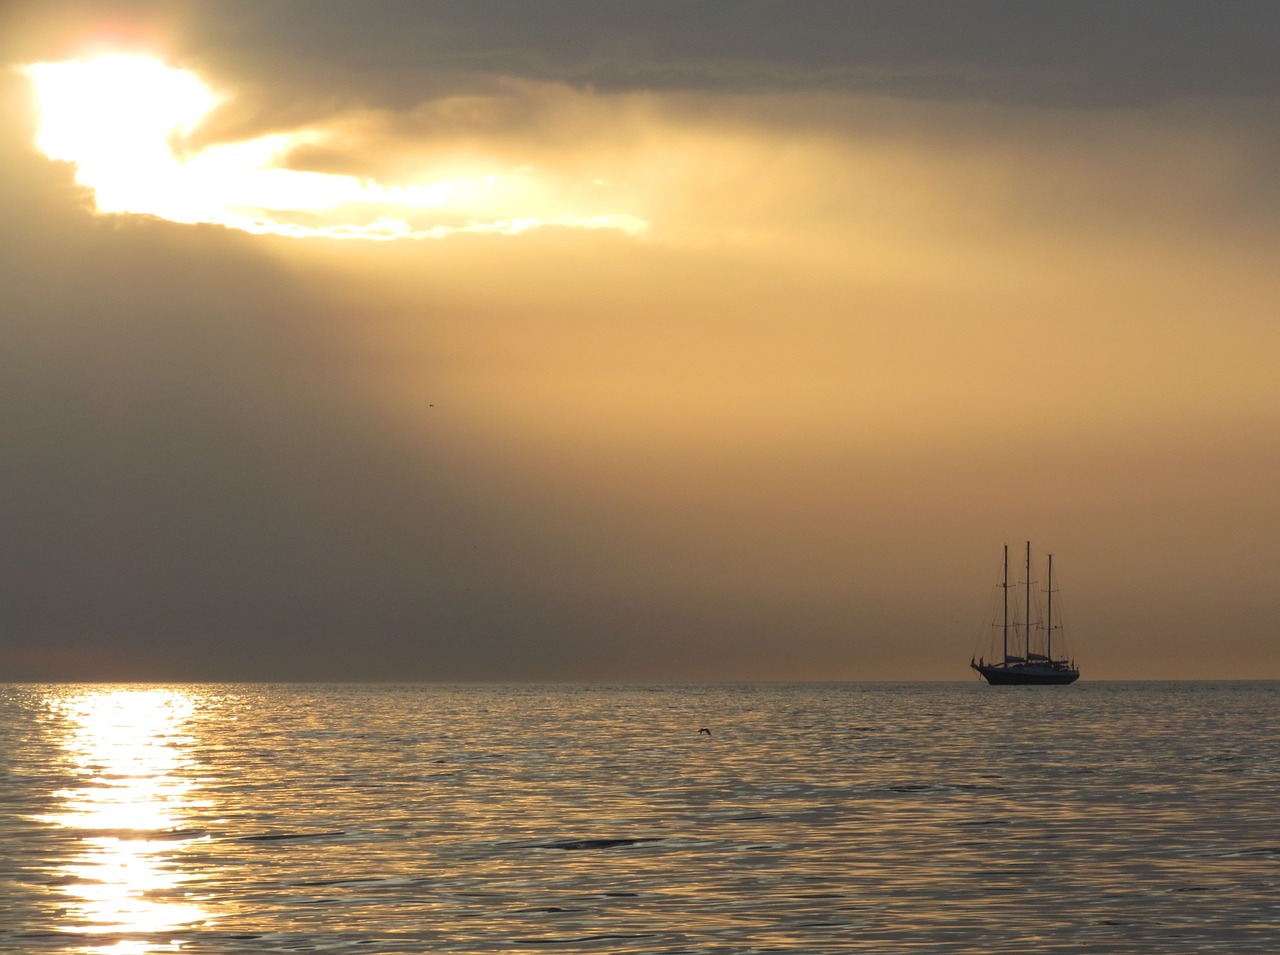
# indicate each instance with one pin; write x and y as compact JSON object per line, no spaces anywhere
{"x":117,"y":119}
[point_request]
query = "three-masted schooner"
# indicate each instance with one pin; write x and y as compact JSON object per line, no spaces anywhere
{"x":1021,"y":660}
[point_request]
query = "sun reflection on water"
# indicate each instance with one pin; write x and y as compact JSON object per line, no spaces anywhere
{"x":129,"y":753}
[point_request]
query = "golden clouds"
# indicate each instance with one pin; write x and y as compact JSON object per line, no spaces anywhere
{"x":122,"y":120}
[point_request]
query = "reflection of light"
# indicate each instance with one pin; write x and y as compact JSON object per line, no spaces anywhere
{"x":117,"y":119}
{"x":126,"y":748}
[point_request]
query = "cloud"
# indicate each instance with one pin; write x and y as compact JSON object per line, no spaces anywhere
{"x":298,"y":62}
{"x":116,"y":119}
{"x":1090,"y":54}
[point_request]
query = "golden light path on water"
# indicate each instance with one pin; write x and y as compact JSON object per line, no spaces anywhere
{"x":127,"y":749}
{"x":119,"y":119}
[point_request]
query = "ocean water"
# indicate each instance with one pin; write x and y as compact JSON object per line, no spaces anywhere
{"x":821,"y":818}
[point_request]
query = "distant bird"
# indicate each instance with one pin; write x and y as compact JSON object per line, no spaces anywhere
{"x":704,"y":730}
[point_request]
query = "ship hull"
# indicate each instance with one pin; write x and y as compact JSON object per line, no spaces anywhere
{"x":1027,"y":675}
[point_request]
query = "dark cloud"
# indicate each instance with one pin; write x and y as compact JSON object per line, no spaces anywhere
{"x":1088,"y":53}
{"x":295,"y":61}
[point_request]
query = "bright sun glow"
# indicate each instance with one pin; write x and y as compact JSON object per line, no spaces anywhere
{"x":119,"y":119}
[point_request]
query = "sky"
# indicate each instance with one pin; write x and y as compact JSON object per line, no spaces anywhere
{"x":669,"y":341}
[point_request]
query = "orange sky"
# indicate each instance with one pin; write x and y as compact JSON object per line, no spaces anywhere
{"x":792,"y":339}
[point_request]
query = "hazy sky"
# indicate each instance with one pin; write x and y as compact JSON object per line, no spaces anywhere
{"x":635,"y":341}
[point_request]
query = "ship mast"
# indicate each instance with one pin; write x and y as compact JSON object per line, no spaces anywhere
{"x":1005,"y":587}
{"x":1026,"y":646}
{"x":1048,"y":630}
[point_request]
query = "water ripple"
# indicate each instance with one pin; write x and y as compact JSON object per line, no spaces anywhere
{"x":812,"y":819}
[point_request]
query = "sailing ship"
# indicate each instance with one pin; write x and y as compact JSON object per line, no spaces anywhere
{"x":1022,"y":660}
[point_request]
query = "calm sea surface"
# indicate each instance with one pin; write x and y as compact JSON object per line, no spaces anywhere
{"x":1103,"y":817}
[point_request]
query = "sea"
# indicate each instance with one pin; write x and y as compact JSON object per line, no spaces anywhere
{"x":817,"y":818}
